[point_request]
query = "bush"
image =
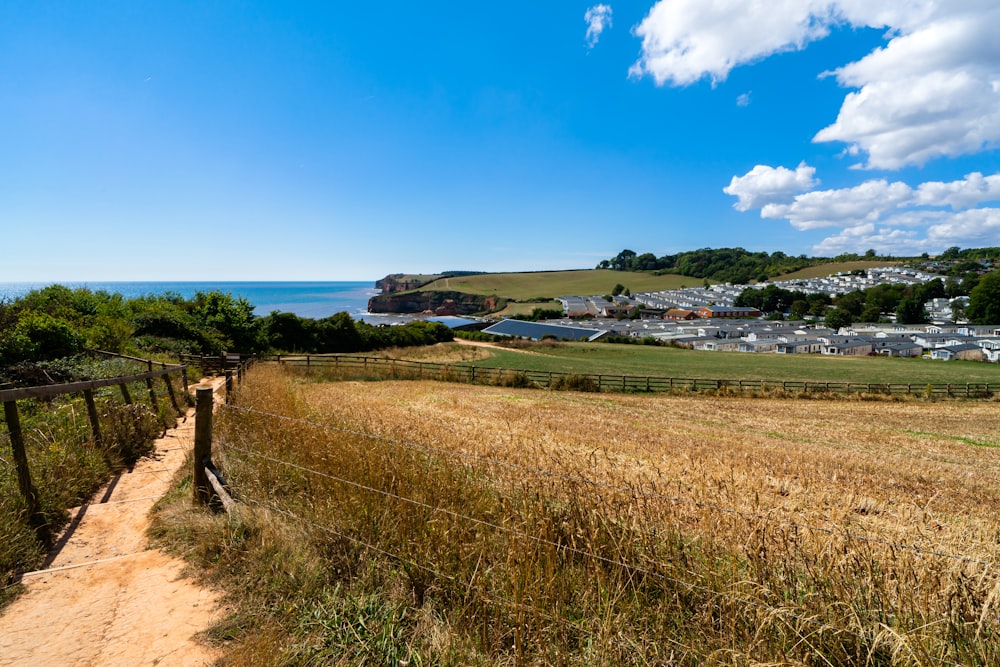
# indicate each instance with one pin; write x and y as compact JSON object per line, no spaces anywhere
{"x":39,"y":336}
{"x":516,"y":379}
{"x":575,"y":383}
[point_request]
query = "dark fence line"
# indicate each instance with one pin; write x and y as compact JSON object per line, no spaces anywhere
{"x":405,"y":369}
{"x":10,"y":397}
{"x":217,"y":364}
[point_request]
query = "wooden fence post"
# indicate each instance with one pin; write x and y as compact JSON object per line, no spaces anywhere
{"x":202,"y":445}
{"x":229,"y":387}
{"x":125,"y":395}
{"x":173,"y":397}
{"x":95,"y":423}
{"x":35,"y":517}
{"x":149,"y":385}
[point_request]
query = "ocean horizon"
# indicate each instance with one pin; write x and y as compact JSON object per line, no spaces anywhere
{"x":316,"y":299}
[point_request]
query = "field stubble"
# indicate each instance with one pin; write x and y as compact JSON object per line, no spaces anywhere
{"x":496,"y":525}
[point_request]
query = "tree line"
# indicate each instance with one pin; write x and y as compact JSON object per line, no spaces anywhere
{"x":56,"y":322}
{"x":728,"y":265}
{"x":741,"y":267}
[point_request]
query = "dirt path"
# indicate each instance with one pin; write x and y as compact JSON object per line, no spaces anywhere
{"x":105,"y":597}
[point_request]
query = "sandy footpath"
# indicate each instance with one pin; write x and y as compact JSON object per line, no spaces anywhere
{"x":105,"y":597}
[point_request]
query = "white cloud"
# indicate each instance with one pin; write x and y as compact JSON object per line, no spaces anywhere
{"x":765,"y":185}
{"x":598,"y":18}
{"x":976,"y":227}
{"x":932,"y":91}
{"x":883,"y":241}
{"x":891,"y":217}
{"x":867,"y":202}
{"x":686,"y":40}
{"x":743,"y":100}
{"x":974,"y":190}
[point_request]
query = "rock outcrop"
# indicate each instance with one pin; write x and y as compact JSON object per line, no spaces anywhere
{"x":448,"y":303}
{"x":401,"y":282}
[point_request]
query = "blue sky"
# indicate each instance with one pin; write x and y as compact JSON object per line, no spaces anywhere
{"x":338,"y":141}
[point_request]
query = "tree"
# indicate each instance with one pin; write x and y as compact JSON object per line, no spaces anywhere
{"x":871,"y":313}
{"x":800,"y":307}
{"x":231,"y":316}
{"x":623,"y":260}
{"x":838,"y":317}
{"x":911,"y":311}
{"x":618,"y":289}
{"x":818,"y":303}
{"x":288,"y":332}
{"x":338,"y":333}
{"x":984,"y":300}
{"x":853,"y":302}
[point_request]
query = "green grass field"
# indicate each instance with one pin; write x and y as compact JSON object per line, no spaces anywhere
{"x":542,"y":285}
{"x":641,"y":360}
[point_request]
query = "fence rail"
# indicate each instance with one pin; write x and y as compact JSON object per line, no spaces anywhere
{"x":218,"y":364}
{"x":405,"y":369}
{"x":10,"y":397}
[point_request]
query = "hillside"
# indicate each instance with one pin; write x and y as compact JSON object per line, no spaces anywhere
{"x":540,"y":286}
{"x":823,"y":270}
{"x":545,"y":285}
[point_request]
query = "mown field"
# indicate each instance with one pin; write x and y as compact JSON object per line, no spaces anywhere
{"x":823,"y":270}
{"x":642,"y":360}
{"x":434,"y":523}
{"x":542,"y":285}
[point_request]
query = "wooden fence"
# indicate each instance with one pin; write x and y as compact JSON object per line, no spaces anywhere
{"x":217,"y":364}
{"x":362,"y":366}
{"x":10,"y":397}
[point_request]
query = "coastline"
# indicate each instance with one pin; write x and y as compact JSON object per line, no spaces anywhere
{"x":313,"y":299}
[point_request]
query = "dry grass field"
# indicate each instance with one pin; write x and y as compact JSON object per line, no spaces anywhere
{"x":912,"y":472}
{"x":823,"y":270}
{"x":481,"y":525}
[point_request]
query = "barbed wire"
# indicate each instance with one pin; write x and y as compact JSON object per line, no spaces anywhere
{"x":628,"y":489}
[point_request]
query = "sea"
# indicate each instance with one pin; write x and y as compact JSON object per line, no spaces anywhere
{"x":305,"y":299}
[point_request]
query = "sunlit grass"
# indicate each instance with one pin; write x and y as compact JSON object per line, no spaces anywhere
{"x":454,"y":524}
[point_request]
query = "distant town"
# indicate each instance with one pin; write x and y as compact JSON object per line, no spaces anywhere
{"x":707,"y":318}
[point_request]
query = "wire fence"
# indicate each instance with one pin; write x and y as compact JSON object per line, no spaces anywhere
{"x":629,"y":490}
{"x":379,"y":367}
{"x":649,"y":570}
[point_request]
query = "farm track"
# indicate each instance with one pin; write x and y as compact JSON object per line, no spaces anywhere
{"x":105,"y":597}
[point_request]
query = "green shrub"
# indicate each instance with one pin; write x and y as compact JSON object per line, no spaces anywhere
{"x":575,"y":383}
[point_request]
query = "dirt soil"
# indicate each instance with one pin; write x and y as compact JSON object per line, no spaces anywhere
{"x":104,"y":596}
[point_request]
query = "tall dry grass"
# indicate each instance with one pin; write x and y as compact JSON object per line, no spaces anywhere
{"x":447,"y":524}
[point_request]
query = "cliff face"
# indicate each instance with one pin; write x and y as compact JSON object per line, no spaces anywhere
{"x":399,"y":282}
{"x":440,"y":303}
